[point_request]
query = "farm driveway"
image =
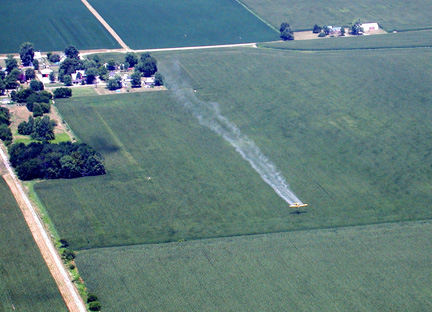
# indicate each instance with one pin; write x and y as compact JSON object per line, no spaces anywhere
{"x":105,"y":24}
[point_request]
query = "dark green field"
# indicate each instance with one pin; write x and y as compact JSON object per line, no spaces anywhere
{"x":372,"y":268}
{"x":171,"y":23}
{"x":25,"y":281}
{"x":349,"y":130}
{"x":51,"y":25}
{"x":391,"y":15}
{"x":412,"y":39}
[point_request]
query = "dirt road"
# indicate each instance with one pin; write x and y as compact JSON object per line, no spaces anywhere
{"x":49,"y":253}
{"x":105,"y":24}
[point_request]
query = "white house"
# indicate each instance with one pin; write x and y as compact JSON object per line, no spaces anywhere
{"x":367,"y":27}
{"x":149,"y":81}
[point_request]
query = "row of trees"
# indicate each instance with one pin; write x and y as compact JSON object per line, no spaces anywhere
{"x":54,"y":161}
{"x":354,"y":29}
{"x":5,"y":132}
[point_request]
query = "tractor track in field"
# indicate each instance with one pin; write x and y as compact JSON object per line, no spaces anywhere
{"x":67,"y":290}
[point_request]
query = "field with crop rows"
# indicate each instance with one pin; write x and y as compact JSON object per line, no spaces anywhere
{"x":348,"y":130}
{"x":25,"y":281}
{"x":391,"y":15}
{"x":412,"y":39}
{"x":372,"y":268}
{"x":171,"y":23}
{"x":51,"y":25}
{"x":199,"y":186}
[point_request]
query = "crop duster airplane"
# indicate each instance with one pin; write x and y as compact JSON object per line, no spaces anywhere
{"x":297,"y":205}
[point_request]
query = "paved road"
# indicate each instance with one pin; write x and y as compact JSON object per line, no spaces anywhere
{"x":49,"y":253}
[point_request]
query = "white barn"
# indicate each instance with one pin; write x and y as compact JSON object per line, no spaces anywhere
{"x":367,"y":27}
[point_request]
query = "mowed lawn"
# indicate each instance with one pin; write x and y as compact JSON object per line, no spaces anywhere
{"x":349,"y":130}
{"x":391,"y":15}
{"x":51,"y":25}
{"x":372,"y":268}
{"x":171,"y":23}
{"x":25,"y":281}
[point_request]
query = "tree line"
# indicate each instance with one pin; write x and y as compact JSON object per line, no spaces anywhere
{"x":5,"y":132}
{"x":55,"y":161}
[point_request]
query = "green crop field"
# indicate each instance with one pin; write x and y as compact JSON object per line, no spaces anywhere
{"x":372,"y":268}
{"x":25,"y":281}
{"x":51,"y":25}
{"x":199,"y":186}
{"x":391,"y":15}
{"x":412,"y":39}
{"x":171,"y":23}
{"x":349,"y":131}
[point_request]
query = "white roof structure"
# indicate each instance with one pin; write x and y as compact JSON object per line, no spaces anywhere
{"x":367,"y":27}
{"x":37,"y":55}
{"x":46,"y":71}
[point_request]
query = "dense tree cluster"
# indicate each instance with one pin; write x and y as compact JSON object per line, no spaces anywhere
{"x":27,"y":53}
{"x":13,"y":75}
{"x":54,"y":161}
{"x":30,"y":97}
{"x":147,"y":65}
{"x":53,"y":57}
{"x":355,"y":27}
{"x":159,"y":79}
{"x":40,"y":128}
{"x":286,"y":33}
{"x":60,"y":93}
{"x":4,"y":116}
{"x":131,"y":59}
{"x":114,"y":83}
{"x":5,"y":132}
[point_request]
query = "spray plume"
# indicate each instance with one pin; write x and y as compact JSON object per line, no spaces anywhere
{"x":208,"y":115}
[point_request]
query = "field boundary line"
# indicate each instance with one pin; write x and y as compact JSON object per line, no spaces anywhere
{"x":52,"y":259}
{"x":105,"y":24}
{"x":256,"y":15}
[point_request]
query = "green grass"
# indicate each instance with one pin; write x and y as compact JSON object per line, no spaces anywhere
{"x":171,"y":23}
{"x":391,"y":15}
{"x":62,"y":137}
{"x":85,"y":91}
{"x":412,"y":39}
{"x":372,"y":268}
{"x":25,"y":281}
{"x":51,"y":25}
{"x":349,"y":131}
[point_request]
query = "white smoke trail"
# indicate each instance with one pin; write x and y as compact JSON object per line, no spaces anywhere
{"x":208,"y":114}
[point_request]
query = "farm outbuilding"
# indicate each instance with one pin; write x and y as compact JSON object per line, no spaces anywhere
{"x":367,"y":27}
